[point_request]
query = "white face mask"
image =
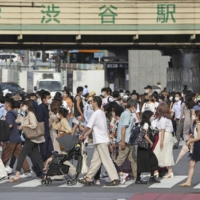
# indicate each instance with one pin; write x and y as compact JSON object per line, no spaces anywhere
{"x":193,"y":117}
{"x":24,"y":108}
{"x":38,"y":100}
{"x":152,"y":118}
{"x":195,"y":100}
{"x":170,"y":98}
{"x":58,"y":115}
{"x":102,"y":94}
{"x":182,"y":95}
{"x":160,"y":100}
{"x":177,"y":98}
{"x":146,"y":91}
{"x":64,"y":95}
{"x":133,"y":111}
{"x":49,"y":101}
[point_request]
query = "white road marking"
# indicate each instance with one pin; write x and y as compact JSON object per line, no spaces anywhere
{"x":32,"y":183}
{"x":197,"y":186}
{"x":78,"y":185}
{"x":168,"y":182}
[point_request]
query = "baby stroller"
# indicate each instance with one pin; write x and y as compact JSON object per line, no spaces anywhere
{"x":57,"y":167}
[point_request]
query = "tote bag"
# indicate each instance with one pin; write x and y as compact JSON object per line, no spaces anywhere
{"x":85,"y":168}
{"x":34,"y":133}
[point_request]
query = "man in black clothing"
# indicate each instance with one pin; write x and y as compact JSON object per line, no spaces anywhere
{"x":46,"y":148}
{"x":33,"y":98}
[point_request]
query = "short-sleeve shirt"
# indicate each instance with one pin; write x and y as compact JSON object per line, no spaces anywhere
{"x":126,"y":120}
{"x":166,"y":124}
{"x":98,"y":123}
{"x":197,"y":107}
{"x":14,"y":132}
{"x":177,"y":109}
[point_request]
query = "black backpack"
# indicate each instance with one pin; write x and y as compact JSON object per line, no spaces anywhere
{"x":5,"y":130}
{"x":134,"y":135}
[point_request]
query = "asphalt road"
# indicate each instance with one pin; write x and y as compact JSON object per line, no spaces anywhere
{"x":30,"y":188}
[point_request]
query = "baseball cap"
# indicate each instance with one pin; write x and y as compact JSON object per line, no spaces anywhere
{"x":161,"y":97}
{"x":148,"y":87}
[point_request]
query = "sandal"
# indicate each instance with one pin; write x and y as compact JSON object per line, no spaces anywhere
{"x":114,"y":183}
{"x":85,"y":182}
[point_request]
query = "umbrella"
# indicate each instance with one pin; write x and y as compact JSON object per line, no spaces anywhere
{"x":183,"y":151}
{"x":67,"y":141}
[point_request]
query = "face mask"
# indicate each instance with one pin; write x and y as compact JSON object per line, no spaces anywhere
{"x":90,"y":106}
{"x":24,"y":108}
{"x":38,"y":100}
{"x":49,"y":101}
{"x":139,"y":100}
{"x":146,"y":91}
{"x":58,"y":115}
{"x":182,"y":95}
{"x":102,"y":94}
{"x":170,"y":98}
{"x":193,"y":117}
{"x":134,"y":111}
{"x":64,"y":95}
{"x":160,"y":100}
{"x":151,"y":119}
{"x":177,"y":99}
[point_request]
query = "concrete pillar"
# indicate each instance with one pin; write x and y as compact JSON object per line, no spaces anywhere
{"x":146,"y":68}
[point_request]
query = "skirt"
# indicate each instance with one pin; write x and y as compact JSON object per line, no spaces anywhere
{"x":165,"y":155}
{"x":196,"y":152}
{"x":146,"y":160}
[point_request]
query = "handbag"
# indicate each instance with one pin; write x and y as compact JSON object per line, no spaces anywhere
{"x":140,"y":141}
{"x":34,"y":133}
{"x":84,"y":169}
{"x":175,"y":141}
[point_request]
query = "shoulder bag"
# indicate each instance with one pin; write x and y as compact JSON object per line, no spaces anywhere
{"x":34,"y":133}
{"x":84,"y":169}
{"x":140,"y":141}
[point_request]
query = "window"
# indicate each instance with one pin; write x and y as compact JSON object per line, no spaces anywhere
{"x":50,"y":85}
{"x":11,"y":87}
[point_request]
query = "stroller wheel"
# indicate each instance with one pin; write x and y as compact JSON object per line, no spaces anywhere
{"x":69,"y":183}
{"x":49,"y":181}
{"x":43,"y":182}
{"x":74,"y":181}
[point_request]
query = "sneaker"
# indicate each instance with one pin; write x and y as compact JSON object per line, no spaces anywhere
{"x":97,"y":182}
{"x":123,"y":178}
{"x":26,"y":175}
{"x":9,"y":170}
{"x":107,"y":179}
{"x":153,"y":180}
{"x":4,"y":178}
{"x":105,"y":175}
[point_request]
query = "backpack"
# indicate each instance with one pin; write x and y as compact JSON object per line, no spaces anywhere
{"x":134,"y":135}
{"x":5,"y":130}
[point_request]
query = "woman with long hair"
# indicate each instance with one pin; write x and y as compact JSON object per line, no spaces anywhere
{"x":30,"y":147}
{"x":164,"y":147}
{"x":187,"y":112}
{"x":195,"y":157}
{"x":146,"y":159}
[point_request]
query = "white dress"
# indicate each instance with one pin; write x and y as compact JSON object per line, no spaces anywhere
{"x":165,"y":155}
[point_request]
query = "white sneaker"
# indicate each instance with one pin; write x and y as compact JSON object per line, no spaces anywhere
{"x":26,"y":175}
{"x":9,"y":170}
{"x":97,"y":182}
{"x":105,"y":175}
{"x":123,"y":178}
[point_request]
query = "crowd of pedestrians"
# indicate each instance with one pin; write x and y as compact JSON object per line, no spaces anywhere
{"x":160,"y":122}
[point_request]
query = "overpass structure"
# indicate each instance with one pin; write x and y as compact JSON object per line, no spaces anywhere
{"x":104,"y":24}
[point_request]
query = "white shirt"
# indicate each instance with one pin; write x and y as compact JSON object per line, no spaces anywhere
{"x":66,"y":106}
{"x":98,"y":123}
{"x":134,"y":114}
{"x":177,"y":109}
{"x":88,"y":111}
{"x":107,"y":100}
{"x":156,"y":104}
{"x":85,"y":91}
{"x":150,"y":107}
{"x":166,"y":124}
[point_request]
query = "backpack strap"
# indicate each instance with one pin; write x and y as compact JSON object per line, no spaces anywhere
{"x":13,"y":115}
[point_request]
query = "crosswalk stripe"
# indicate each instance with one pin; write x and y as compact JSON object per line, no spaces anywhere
{"x":168,"y":182}
{"x":32,"y":183}
{"x":77,"y":185}
{"x":120,"y":186}
{"x":3,"y":181}
{"x":197,"y":186}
